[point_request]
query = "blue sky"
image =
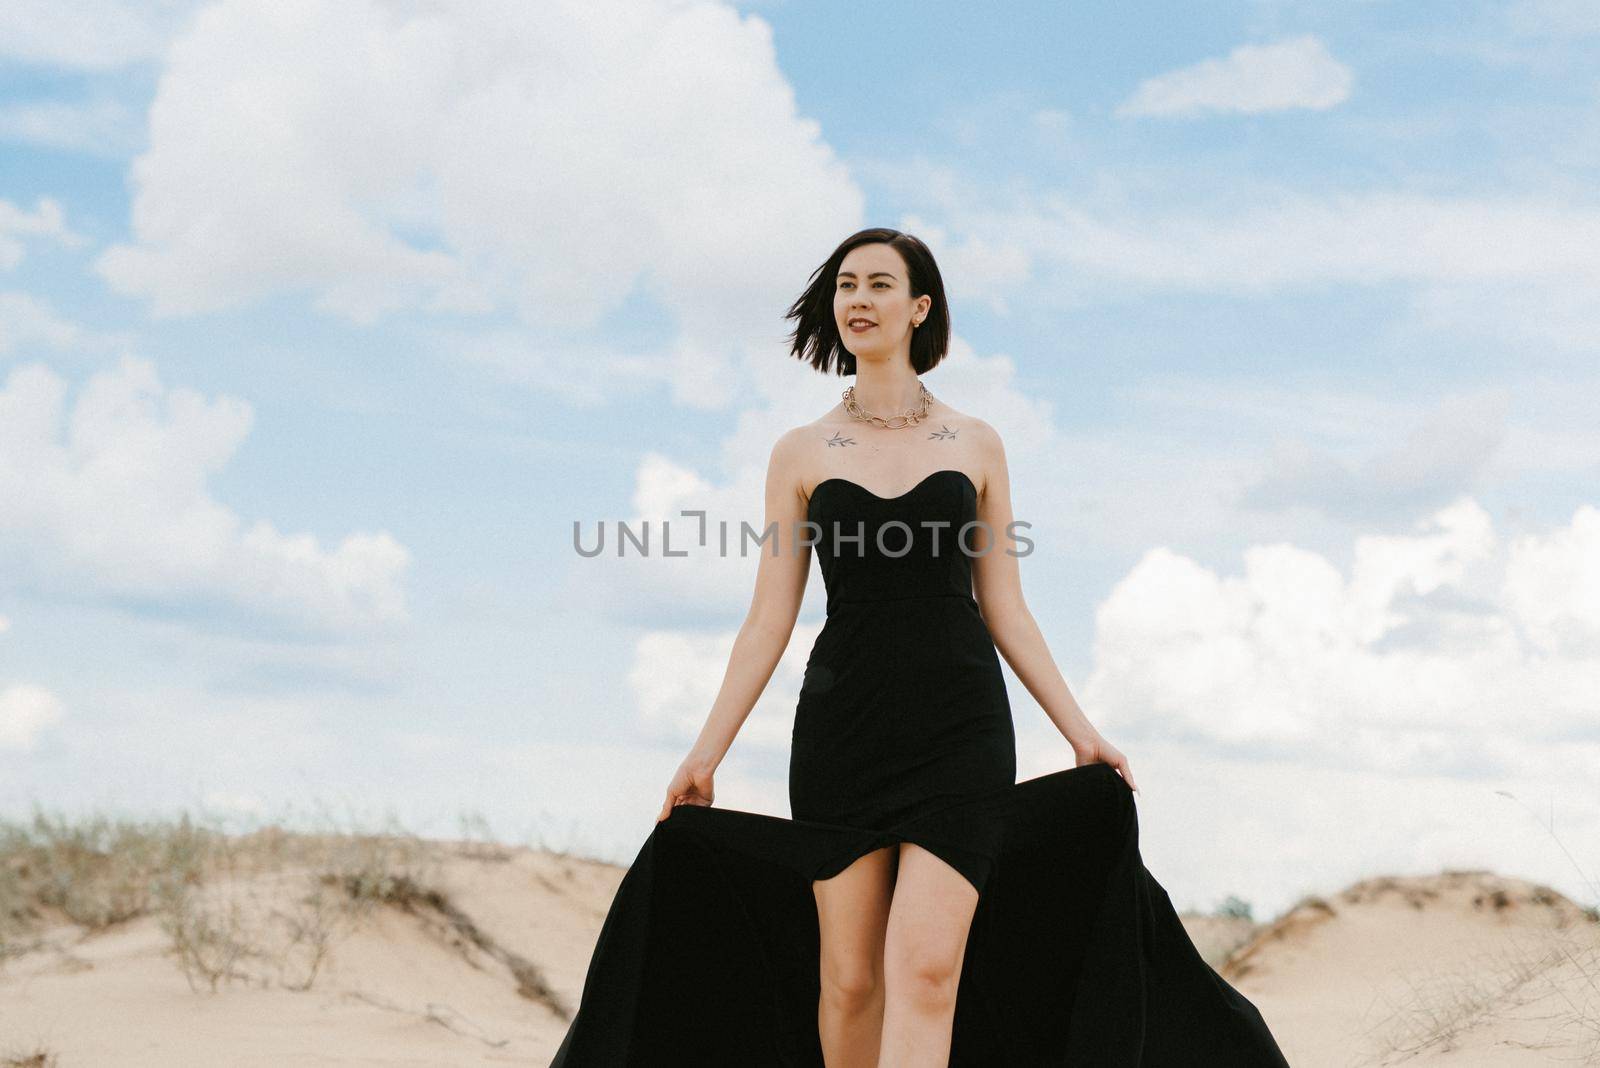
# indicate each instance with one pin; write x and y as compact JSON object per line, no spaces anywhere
{"x":322,"y":323}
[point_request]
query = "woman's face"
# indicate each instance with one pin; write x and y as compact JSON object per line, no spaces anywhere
{"x":873,"y":285}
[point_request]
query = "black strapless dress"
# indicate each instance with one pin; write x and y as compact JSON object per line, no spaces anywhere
{"x":903,"y":733}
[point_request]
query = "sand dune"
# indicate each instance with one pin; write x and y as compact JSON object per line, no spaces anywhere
{"x":279,"y":949}
{"x":1463,"y":968}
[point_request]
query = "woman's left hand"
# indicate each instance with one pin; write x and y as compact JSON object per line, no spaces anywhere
{"x":1096,"y":750}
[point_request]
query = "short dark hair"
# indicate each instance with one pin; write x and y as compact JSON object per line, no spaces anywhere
{"x":816,"y":336}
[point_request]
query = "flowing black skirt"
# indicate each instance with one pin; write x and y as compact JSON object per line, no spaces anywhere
{"x":1076,"y":956}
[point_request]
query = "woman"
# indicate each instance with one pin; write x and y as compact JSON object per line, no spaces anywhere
{"x":949,"y":914}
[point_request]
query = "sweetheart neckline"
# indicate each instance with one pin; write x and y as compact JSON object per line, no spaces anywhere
{"x":922,"y":482}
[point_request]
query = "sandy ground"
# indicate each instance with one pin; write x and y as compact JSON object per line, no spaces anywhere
{"x":1463,"y":968}
{"x":1456,"y":968}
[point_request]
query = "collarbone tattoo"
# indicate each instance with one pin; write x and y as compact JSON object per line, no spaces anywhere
{"x":944,"y":433}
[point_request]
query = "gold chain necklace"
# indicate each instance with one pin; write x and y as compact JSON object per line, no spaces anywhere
{"x":910,"y":417}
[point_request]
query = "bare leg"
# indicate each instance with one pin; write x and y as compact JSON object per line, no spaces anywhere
{"x":925,"y":943}
{"x":852,"y":913}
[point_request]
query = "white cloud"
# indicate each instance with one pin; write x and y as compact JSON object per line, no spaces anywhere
{"x":558,"y":159}
{"x":25,"y":713}
{"x":582,"y":373}
{"x":1212,"y":825}
{"x":1552,"y":313}
{"x":1443,"y":650}
{"x":25,"y":319}
{"x":1553,"y":587}
{"x":1536,"y":426}
{"x":101,"y":127}
{"x":1446,"y":454}
{"x":1353,"y":238}
{"x":1296,"y":72}
{"x":1520,"y":267}
{"x":108,"y":500}
{"x":46,"y":220}
{"x":976,"y":267}
{"x":676,"y":675}
{"x":89,"y":34}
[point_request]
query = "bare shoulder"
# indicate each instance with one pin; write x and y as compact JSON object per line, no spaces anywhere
{"x":982,"y":438}
{"x":981,"y":433}
{"x":831,"y":428}
{"x":797,"y":439}
{"x":786,"y":463}
{"x":785,"y":448}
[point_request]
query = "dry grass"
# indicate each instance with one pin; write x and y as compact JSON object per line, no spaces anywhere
{"x":1294,"y":925}
{"x":219,"y":899}
{"x":96,"y":873}
{"x":1550,"y":977}
{"x":39,"y":1058}
{"x":1440,"y":1006}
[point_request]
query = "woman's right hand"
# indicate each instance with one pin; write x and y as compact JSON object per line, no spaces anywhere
{"x":689,"y":786}
{"x":1096,"y":750}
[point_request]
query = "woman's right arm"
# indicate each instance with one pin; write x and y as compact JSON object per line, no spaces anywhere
{"x":784,"y":563}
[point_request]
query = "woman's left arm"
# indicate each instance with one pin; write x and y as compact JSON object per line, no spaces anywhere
{"x":997,"y":586}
